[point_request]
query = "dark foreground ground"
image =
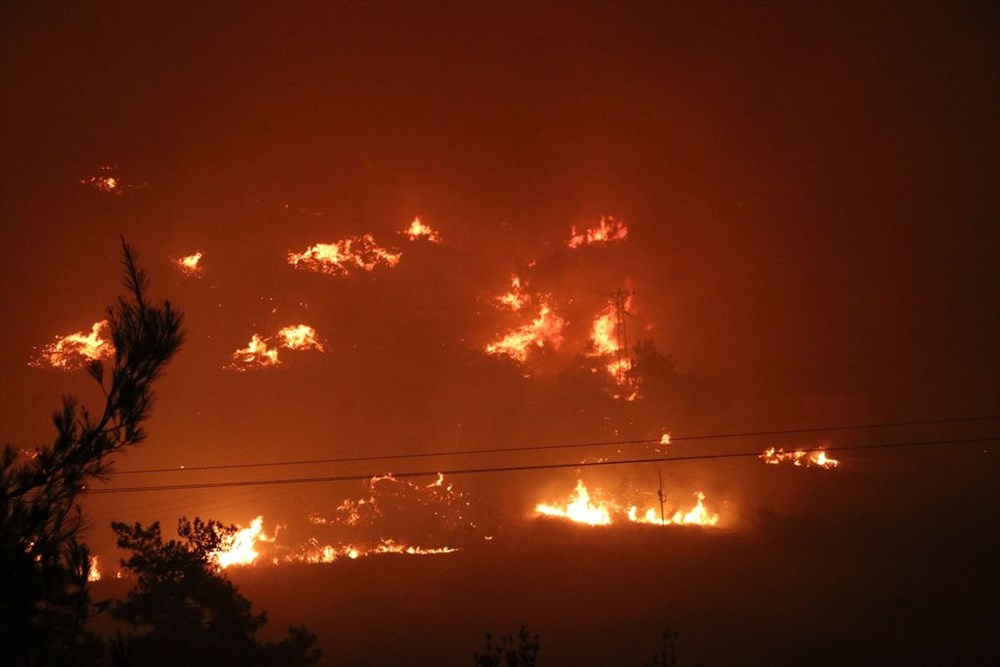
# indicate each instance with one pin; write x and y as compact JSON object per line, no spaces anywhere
{"x":882,"y":588}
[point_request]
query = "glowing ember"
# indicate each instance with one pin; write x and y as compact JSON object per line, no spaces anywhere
{"x":328,"y":553}
{"x":299,"y":337}
{"x":610,"y":229}
{"x":799,"y":457}
{"x":76,"y":350}
{"x":105,"y":182}
{"x":345,"y":256}
{"x":240,"y":549}
{"x":189,"y":265}
{"x":665,"y":440}
{"x":94,"y":571}
{"x":388,"y":498}
{"x":515,"y":299}
{"x":418,"y":229}
{"x":544,"y":329}
{"x":579,"y":508}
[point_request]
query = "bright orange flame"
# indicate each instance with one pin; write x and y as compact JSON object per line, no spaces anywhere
{"x":580,"y":508}
{"x":603,"y":333}
{"x":189,"y":265}
{"x":583,"y":508}
{"x":244,"y":547}
{"x":665,"y":440}
{"x":329,"y":553}
{"x":255,"y":355}
{"x":299,"y":337}
{"x":544,"y":329}
{"x":515,"y":299}
{"x":240,"y":549}
{"x":610,"y":229}
{"x":604,"y":342}
{"x":344,"y":256}
{"x":94,"y":569}
{"x":799,"y":458}
{"x":75,"y":350}
{"x":418,"y":229}
{"x":263,"y":352}
{"x":696,"y":516}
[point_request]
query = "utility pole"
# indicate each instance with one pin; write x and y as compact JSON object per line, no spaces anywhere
{"x":622,"y":359}
{"x":659,"y":493}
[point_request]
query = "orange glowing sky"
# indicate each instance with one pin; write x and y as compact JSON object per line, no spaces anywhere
{"x":402,"y":229}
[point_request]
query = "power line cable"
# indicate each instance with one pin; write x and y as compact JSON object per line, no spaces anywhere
{"x":523,"y":468}
{"x":528,"y":448}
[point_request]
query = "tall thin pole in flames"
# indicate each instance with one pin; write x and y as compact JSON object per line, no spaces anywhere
{"x":621,"y":334}
{"x":659,"y":494}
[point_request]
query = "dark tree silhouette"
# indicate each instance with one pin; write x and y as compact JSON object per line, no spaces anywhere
{"x":507,"y":653}
{"x":186,"y":612}
{"x":667,"y":656}
{"x":43,"y":566}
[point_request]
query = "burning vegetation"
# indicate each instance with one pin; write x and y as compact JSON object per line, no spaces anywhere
{"x":609,"y":229}
{"x":802,"y":458}
{"x":76,"y":350}
{"x":263,"y":352}
{"x":413,"y":514}
{"x":515,"y":299}
{"x":608,"y":341}
{"x":545,"y":329}
{"x":603,"y":510}
{"x":418,"y":230}
{"x":189,"y":265}
{"x":344,"y":257}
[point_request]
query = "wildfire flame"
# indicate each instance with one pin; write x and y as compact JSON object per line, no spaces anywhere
{"x":800,"y":458}
{"x":300,"y":337}
{"x":75,"y":350}
{"x":603,"y":333}
{"x":328,"y":553}
{"x":263,"y":352}
{"x":610,"y":229}
{"x":515,"y":299}
{"x":583,"y":508}
{"x":696,"y":516}
{"x":105,"y":182}
{"x":240,"y":549}
{"x":94,"y":569}
{"x":344,"y":256}
{"x":256,"y":354}
{"x":544,"y":329}
{"x":189,"y":265}
{"x":387,"y":497}
{"x":418,"y":229}
{"x":604,"y":342}
{"x":579,"y":508}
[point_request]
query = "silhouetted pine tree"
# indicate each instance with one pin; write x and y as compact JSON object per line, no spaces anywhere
{"x":43,"y":566}
{"x":186,"y":612}
{"x":507,"y":653}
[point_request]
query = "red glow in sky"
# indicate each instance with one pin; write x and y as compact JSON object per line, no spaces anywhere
{"x":406,"y":223}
